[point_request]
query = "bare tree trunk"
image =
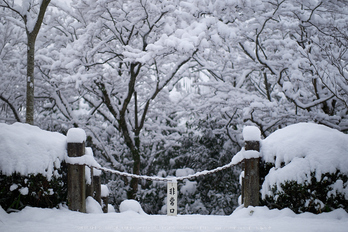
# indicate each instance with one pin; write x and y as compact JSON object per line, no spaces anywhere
{"x":30,"y":79}
{"x":31,"y":36}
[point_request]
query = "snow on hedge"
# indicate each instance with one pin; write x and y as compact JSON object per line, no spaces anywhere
{"x":303,"y":148}
{"x":27,"y":149}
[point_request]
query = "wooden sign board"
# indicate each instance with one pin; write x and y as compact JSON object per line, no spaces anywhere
{"x":172,"y":199}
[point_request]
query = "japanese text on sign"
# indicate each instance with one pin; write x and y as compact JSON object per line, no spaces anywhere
{"x":172,"y":198}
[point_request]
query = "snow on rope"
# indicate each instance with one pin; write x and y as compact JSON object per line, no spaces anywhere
{"x":157,"y":178}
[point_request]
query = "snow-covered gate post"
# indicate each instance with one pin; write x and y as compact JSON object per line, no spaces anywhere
{"x":76,"y":173}
{"x":251,"y":179}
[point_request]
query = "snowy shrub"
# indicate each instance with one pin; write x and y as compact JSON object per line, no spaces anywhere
{"x":18,"y":191}
{"x":32,"y":169}
{"x":312,"y":195}
{"x":305,"y":168}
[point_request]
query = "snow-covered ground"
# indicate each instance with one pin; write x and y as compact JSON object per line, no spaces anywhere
{"x":243,"y":219}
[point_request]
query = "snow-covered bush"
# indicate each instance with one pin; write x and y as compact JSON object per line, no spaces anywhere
{"x":305,"y":168}
{"x":32,"y":169}
{"x":18,"y":191}
{"x":312,"y":195}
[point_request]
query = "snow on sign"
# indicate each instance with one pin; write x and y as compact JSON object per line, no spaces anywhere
{"x":172,"y":198}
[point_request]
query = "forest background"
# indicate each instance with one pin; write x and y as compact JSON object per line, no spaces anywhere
{"x":166,"y":87}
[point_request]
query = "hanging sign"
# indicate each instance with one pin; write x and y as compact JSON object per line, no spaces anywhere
{"x":172,"y":198}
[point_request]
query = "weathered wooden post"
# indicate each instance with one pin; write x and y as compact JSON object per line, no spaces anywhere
{"x":89,"y":182}
{"x":76,"y":173}
{"x":104,"y":193}
{"x":97,"y":188}
{"x":251,"y":180}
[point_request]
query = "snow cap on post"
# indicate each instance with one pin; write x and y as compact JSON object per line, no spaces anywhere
{"x":104,"y":190}
{"x":251,"y":133}
{"x":76,"y":135}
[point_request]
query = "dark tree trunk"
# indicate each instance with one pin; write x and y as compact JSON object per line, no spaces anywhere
{"x":31,"y":36}
{"x":30,"y":79}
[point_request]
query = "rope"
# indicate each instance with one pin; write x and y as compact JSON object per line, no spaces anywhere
{"x":157,"y":178}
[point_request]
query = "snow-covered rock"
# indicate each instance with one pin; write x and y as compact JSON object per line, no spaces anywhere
{"x":111,"y":209}
{"x":131,"y":205}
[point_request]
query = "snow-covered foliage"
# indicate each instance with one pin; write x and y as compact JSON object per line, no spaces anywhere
{"x":309,"y":162}
{"x":26,"y":149}
{"x":301,"y":149}
{"x":32,"y":165}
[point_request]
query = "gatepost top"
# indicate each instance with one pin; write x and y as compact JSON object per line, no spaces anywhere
{"x":76,"y":135}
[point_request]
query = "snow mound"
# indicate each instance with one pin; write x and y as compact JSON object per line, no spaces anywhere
{"x":300,"y":149}
{"x":92,"y":206}
{"x":131,"y":205}
{"x":27,"y":149}
{"x":262,"y":212}
{"x":111,"y":209}
{"x":76,"y":135}
{"x":3,"y":213}
{"x":251,"y":133}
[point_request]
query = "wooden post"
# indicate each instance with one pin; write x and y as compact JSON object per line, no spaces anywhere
{"x":90,"y":184}
{"x":105,"y":198}
{"x":251,"y":180}
{"x":97,"y":189}
{"x":76,"y":173}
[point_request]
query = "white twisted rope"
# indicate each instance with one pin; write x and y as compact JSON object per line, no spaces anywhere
{"x":157,"y":178}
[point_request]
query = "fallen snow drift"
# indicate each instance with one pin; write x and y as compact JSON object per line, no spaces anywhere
{"x":131,"y":205}
{"x":242,"y":219}
{"x":92,"y":206}
{"x":300,"y":149}
{"x":27,"y":149}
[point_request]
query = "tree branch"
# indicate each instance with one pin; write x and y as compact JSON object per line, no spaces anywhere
{"x":13,"y":109}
